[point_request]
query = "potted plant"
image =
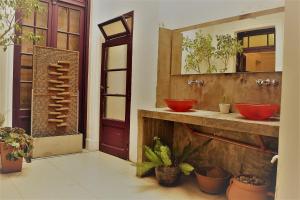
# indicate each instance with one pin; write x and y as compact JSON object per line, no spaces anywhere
{"x":168,"y":165}
{"x":14,"y":144}
{"x":248,"y":187}
{"x":224,"y":106}
{"x":212,"y":180}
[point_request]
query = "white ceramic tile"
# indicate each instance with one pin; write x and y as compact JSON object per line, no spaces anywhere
{"x":93,"y":175}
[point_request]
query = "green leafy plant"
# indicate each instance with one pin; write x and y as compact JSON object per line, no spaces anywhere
{"x":16,"y":138}
{"x":199,"y":50}
{"x":161,"y":155}
{"x":227,"y":47}
{"x":10,"y":23}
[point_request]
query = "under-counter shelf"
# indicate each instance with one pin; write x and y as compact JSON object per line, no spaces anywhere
{"x":160,"y":122}
{"x":232,"y":121}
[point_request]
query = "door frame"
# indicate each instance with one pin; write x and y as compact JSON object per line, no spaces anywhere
{"x":82,"y":122}
{"x":127,"y":39}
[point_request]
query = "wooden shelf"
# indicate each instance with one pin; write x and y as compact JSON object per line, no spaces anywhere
{"x":56,"y":98}
{"x":56,"y":120}
{"x":63,"y":93}
{"x":54,"y":113}
{"x":61,"y":125}
{"x":62,"y":70}
{"x":56,"y":89}
{"x":55,"y":65}
{"x":63,"y":77}
{"x":63,"y":62}
{"x":55,"y":105}
{"x":56,"y":81}
{"x":63,"y":101}
{"x":56,"y":73}
{"x":62,"y":109}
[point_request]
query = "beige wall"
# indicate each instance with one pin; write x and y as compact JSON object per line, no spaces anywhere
{"x":288,"y":180}
{"x":6,"y":80}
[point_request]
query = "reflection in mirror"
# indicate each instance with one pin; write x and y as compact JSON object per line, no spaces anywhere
{"x":253,"y":44}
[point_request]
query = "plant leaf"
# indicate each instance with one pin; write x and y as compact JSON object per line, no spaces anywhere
{"x":186,"y":168}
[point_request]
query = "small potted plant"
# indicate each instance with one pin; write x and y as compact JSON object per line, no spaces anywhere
{"x":248,"y":187}
{"x":15,"y":145}
{"x":168,"y":165}
{"x":224,"y":106}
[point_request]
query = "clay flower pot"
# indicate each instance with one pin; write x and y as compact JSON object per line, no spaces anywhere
{"x":9,"y":166}
{"x":167,"y":176}
{"x":238,"y":190}
{"x":212,"y":180}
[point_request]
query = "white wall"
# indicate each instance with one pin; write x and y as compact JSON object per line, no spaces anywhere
{"x":145,"y":48}
{"x":180,"y":13}
{"x":288,"y":180}
{"x":6,"y":82}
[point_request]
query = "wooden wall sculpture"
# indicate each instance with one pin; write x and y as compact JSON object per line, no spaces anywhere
{"x":55,"y":92}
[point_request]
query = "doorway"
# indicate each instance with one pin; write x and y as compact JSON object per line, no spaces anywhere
{"x":115,"y":89}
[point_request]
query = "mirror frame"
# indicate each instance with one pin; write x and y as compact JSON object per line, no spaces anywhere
{"x":177,"y":35}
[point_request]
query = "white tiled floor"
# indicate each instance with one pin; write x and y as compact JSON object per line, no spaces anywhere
{"x":92,"y":175}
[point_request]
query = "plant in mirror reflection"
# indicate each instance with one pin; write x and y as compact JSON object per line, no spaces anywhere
{"x":199,"y":51}
{"x":227,"y":47}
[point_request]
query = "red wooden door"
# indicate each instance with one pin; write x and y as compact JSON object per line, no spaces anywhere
{"x":116,"y":93}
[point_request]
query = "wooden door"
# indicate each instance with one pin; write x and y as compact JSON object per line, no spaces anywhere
{"x":115,"y":98}
{"x":116,"y":91}
{"x":39,"y":24}
{"x":62,"y":25}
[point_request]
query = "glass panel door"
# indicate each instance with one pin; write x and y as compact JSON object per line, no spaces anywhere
{"x":37,"y":24}
{"x":115,"y":74}
{"x":68,"y":28}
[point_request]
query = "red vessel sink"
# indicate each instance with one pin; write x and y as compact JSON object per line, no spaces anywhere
{"x":257,"y":111}
{"x":180,"y":105}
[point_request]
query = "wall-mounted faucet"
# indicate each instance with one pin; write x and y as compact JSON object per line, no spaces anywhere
{"x":267,"y":82}
{"x":196,"y":82}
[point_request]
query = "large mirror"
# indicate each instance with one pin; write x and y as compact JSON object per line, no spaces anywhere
{"x":248,"y":43}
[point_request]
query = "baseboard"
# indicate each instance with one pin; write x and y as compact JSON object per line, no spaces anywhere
{"x":57,"y":145}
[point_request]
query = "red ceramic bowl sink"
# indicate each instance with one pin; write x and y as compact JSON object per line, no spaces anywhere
{"x":257,"y":111}
{"x":180,"y":105}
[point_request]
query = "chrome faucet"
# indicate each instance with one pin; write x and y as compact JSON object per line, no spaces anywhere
{"x":197,"y":82}
{"x":267,"y":82}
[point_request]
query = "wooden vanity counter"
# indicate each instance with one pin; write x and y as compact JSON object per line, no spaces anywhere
{"x":160,"y":122}
{"x":232,"y":121}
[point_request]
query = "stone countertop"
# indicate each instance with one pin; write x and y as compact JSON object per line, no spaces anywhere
{"x":231,"y":121}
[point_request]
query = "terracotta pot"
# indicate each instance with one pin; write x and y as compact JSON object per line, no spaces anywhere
{"x":9,"y":166}
{"x":167,"y":176}
{"x":238,"y":190}
{"x":212,"y":180}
